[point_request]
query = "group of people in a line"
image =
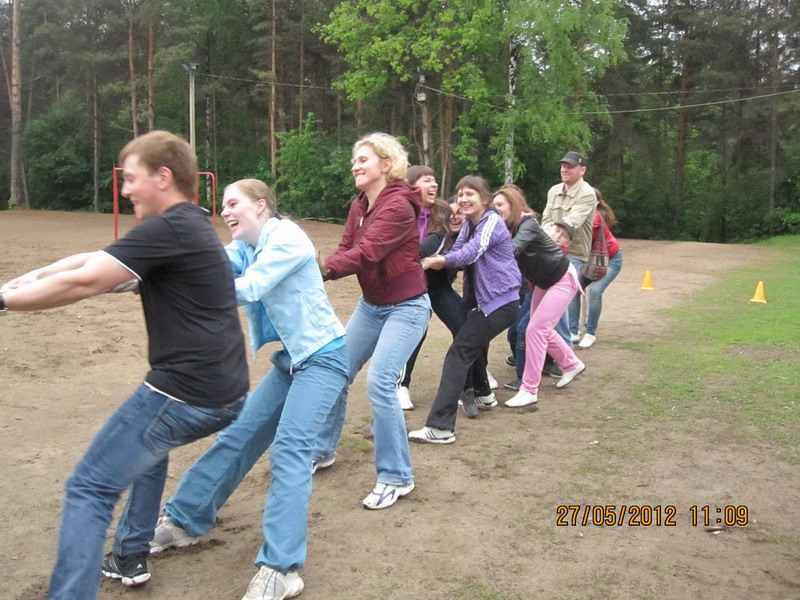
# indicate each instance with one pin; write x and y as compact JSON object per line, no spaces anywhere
{"x":404,"y":245}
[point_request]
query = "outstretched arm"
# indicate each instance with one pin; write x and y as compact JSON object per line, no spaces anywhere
{"x":65,"y":282}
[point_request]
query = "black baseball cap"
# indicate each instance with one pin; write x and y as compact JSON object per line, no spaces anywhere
{"x":574,"y":158}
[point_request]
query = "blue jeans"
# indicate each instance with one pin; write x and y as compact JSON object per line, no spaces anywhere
{"x":130,"y":451}
{"x":574,"y":309}
{"x":387,"y":334}
{"x":521,"y":326}
{"x":595,"y":289}
{"x":286,"y":411}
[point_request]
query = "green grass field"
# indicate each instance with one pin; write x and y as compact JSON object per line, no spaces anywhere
{"x":733,"y":360}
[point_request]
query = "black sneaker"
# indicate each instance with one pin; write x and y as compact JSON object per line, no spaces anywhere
{"x":551,"y":368}
{"x":132,"y":570}
{"x":511,"y":360}
{"x":513,"y":385}
{"x":468,"y":404}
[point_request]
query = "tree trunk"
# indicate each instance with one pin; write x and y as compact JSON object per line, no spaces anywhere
{"x":95,"y":146}
{"x":16,"y":198}
{"x":445,"y":146}
{"x":680,"y":146}
{"x":273,"y":151}
{"x":774,"y":75}
{"x":151,"y":97}
{"x":513,"y":65}
{"x":132,"y":72}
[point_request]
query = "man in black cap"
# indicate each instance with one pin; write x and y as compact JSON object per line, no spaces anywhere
{"x":573,"y":201}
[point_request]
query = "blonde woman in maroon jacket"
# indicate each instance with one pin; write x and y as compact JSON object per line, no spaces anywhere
{"x":380,"y":246}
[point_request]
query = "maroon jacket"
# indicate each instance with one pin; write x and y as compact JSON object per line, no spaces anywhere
{"x":381,"y":246}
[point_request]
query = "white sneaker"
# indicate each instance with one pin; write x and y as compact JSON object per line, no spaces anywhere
{"x":522,"y":398}
{"x":587,"y":341}
{"x":492,"y":381}
{"x":574,"y":337}
{"x":571,"y":374}
{"x":432,"y":435}
{"x":405,"y":398}
{"x":486,"y":402}
{"x":170,"y":535}
{"x":269,"y":584}
{"x":383,"y":495}
{"x":322,"y":464}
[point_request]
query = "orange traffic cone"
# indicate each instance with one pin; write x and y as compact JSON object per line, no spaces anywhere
{"x":759,"y":295}
{"x":647,"y":283}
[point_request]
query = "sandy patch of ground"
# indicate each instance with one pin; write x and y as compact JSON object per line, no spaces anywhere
{"x":481,"y":523}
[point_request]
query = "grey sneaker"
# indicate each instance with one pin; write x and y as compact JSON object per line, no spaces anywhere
{"x":269,"y":584}
{"x":468,"y":404}
{"x":170,"y":535}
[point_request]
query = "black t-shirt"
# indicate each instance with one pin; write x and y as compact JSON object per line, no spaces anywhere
{"x":196,"y":345}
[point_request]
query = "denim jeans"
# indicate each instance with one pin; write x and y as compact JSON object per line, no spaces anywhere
{"x":286,"y":411}
{"x":575,"y":305}
{"x":595,"y":289}
{"x":387,"y":334}
{"x":468,"y":347}
{"x":130,"y":451}
{"x":547,"y":307}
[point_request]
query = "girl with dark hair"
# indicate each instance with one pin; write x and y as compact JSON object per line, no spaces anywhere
{"x":554,"y":282}
{"x":594,"y":289}
{"x":491,"y":296}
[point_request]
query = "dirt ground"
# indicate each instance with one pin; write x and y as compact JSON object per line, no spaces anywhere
{"x":481,"y":523}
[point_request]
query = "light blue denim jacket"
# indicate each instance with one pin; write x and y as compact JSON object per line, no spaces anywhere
{"x":279,"y":284}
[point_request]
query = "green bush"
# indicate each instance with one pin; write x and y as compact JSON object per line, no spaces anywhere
{"x":314,"y":180}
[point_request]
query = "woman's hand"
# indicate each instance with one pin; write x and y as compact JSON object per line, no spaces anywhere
{"x":435,"y":262}
{"x":324,"y":271}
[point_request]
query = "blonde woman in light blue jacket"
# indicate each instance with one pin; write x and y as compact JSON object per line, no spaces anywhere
{"x":278,"y":281}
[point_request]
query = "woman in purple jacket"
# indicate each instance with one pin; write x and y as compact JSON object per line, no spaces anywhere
{"x":491,"y":296}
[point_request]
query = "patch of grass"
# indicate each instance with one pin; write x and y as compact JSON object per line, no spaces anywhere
{"x":355,"y":443}
{"x":781,"y":539}
{"x":732,"y":360}
{"x":475,"y":590}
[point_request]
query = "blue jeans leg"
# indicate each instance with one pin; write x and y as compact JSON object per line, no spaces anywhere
{"x":574,"y":309}
{"x":388,"y":335}
{"x":521,"y":326}
{"x":594,"y":292}
{"x":314,"y":388}
{"x":210,"y":481}
{"x":403,"y":326}
{"x":130,"y":451}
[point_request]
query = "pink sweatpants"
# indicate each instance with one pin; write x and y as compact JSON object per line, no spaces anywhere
{"x":547,"y":306}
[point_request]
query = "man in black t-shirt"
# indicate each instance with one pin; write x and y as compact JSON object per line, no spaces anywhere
{"x":198,"y":376}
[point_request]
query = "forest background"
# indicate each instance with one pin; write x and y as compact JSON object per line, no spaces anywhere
{"x":688,"y":109}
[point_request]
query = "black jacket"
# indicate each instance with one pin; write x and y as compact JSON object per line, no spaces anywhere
{"x":542,"y":262}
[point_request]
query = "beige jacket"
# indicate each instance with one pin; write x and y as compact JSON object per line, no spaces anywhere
{"x":577,"y":206}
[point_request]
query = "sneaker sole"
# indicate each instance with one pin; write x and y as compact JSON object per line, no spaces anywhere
{"x":325,"y":464}
{"x":397,"y":497}
{"x":128,"y":581}
{"x":448,"y":440}
{"x":483,"y":406}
